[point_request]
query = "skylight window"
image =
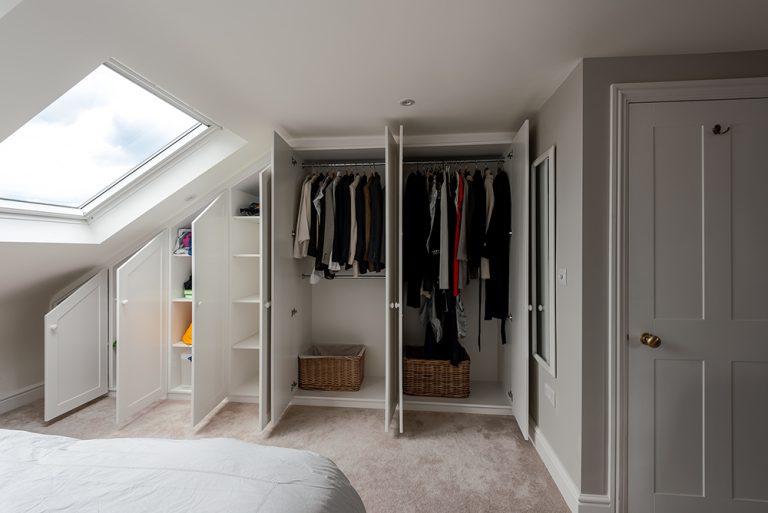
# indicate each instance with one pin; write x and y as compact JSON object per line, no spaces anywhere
{"x":104,"y":132}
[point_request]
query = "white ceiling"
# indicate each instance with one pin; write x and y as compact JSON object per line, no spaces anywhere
{"x":333,"y":67}
{"x":339,"y":67}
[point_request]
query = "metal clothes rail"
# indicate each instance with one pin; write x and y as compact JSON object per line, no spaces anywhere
{"x":408,"y":162}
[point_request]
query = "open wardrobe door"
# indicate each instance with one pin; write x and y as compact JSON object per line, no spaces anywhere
{"x":291,"y":303}
{"x":209,"y":308}
{"x":265,"y":191}
{"x":516,"y":379}
{"x":76,"y":348}
{"x":393,"y":331}
{"x":141,"y":289}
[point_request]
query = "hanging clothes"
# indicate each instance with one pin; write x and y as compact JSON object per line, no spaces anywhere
{"x":498,"y":239}
{"x":485,"y":270}
{"x":340,"y":222}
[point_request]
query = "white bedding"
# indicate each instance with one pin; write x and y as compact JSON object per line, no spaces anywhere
{"x":53,"y":473}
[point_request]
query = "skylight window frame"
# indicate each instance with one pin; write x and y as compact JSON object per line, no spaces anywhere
{"x":146,"y":170}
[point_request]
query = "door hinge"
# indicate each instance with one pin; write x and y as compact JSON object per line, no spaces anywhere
{"x":293,"y":160}
{"x":294,"y":312}
{"x":293,"y":386}
{"x":511,"y":395}
{"x":510,"y":154}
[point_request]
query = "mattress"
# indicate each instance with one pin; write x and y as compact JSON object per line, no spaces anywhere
{"x":54,"y":473}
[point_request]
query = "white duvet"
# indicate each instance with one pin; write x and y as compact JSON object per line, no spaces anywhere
{"x":53,"y":473}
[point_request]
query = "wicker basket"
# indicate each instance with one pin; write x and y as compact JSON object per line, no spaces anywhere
{"x":332,"y":367}
{"x":434,"y":378}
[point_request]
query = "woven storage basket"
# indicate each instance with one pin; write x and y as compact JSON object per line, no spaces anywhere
{"x":332,"y":367}
{"x":435,"y":378}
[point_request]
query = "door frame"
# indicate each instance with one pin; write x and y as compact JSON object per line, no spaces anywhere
{"x":621,"y":96}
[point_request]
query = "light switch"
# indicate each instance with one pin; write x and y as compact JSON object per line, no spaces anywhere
{"x":562,"y":277}
{"x":549,"y":394}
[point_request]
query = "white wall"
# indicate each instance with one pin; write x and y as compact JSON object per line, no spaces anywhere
{"x":559,"y":124}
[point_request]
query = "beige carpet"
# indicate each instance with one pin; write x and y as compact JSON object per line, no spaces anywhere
{"x":445,"y":463}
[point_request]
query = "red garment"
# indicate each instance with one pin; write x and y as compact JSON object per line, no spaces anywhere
{"x":459,"y":202}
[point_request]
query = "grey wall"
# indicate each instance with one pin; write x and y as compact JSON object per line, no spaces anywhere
{"x":599,"y":74}
{"x":559,"y":124}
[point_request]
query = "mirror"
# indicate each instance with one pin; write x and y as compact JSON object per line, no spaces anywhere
{"x":542,"y":259}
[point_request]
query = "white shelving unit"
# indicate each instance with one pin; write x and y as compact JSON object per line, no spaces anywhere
{"x":245,"y":293}
{"x":179,"y":370}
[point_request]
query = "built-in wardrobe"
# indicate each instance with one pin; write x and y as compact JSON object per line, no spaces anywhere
{"x":256,"y":305}
{"x":122,"y":329}
{"x":369,"y":309}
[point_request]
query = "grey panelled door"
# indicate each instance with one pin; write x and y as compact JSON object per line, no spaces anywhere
{"x":698,"y":307}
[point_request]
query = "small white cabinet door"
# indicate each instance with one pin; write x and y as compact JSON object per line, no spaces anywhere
{"x":76,"y":348}
{"x":393,"y":332}
{"x":209,"y":308}
{"x":517,"y":350}
{"x":265,"y":188}
{"x":141,"y":377}
{"x":291,"y":303}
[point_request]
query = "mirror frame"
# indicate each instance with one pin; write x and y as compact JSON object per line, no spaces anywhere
{"x":550,"y":364}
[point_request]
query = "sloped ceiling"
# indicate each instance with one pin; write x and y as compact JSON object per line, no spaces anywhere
{"x":336,"y":67}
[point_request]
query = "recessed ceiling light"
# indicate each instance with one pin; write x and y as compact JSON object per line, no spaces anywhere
{"x":407,"y":102}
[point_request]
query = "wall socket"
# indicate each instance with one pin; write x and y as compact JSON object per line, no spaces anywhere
{"x":549,"y":393}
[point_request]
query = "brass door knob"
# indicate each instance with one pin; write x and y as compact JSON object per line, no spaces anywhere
{"x":650,"y":340}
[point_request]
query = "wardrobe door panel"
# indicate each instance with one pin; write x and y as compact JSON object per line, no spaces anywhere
{"x":393,"y":333}
{"x":209,"y":308}
{"x":398,"y":278}
{"x":141,"y":294}
{"x":265,"y":190}
{"x":291,"y":302}
{"x":76,"y":348}
{"x":516,"y":352}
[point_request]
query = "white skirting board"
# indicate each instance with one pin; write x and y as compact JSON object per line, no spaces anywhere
{"x":576,"y":501}
{"x":21,"y":397}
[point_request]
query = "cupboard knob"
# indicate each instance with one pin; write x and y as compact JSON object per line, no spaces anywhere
{"x":54,"y":327}
{"x":541,"y":308}
{"x":530,"y":308}
{"x":124,"y":302}
{"x":199,"y":303}
{"x":391,"y":306}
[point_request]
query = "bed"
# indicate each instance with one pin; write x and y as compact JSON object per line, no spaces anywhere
{"x":54,"y":473}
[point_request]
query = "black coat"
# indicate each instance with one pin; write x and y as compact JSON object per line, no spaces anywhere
{"x":415,"y":233}
{"x":497,"y":250}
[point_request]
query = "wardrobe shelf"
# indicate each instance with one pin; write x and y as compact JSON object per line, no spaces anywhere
{"x":247,"y":255}
{"x":182,"y":300}
{"x":181,"y":389}
{"x":252,"y":342}
{"x":486,"y":397}
{"x":182,"y":255}
{"x":248,"y":299}
{"x":370,"y":395}
{"x":247,"y":218}
{"x":181,"y":345}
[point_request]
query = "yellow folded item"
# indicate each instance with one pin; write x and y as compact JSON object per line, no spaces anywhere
{"x":187,"y":337}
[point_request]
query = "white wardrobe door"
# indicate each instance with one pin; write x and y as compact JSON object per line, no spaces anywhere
{"x":76,"y":348}
{"x":265,"y":188}
{"x":291,"y":303}
{"x":141,"y":377}
{"x":517,"y":350}
{"x":393,"y":331}
{"x":209,"y":308}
